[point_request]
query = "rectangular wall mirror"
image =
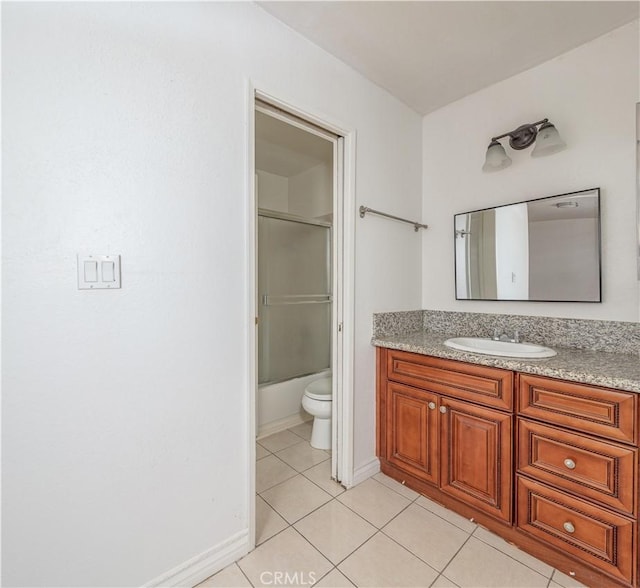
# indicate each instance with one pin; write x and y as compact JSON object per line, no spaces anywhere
{"x":544,"y":250}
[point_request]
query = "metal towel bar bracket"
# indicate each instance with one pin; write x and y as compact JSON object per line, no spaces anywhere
{"x":416,"y":225}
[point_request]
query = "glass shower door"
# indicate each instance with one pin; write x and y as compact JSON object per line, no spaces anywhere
{"x":294,"y":287}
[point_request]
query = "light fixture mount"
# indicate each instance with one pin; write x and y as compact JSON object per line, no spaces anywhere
{"x":524,"y":136}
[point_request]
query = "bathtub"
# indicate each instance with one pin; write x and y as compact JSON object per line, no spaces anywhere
{"x":279,"y":406}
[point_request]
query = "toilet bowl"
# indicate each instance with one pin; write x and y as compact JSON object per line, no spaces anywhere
{"x":317,"y":402}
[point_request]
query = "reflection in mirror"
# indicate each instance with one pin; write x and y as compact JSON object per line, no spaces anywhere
{"x":546,"y":249}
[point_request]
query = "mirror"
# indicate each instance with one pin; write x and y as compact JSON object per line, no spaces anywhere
{"x":544,"y":250}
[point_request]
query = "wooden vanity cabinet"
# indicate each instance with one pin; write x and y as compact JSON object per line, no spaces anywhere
{"x":577,"y":470}
{"x":552,"y":466}
{"x":435,"y":426}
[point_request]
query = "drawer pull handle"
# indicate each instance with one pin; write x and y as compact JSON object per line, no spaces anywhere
{"x":443,"y":409}
{"x":568,"y":527}
{"x":570,"y":464}
{"x":431,"y":405}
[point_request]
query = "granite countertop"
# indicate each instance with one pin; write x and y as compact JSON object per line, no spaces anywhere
{"x":601,"y":368}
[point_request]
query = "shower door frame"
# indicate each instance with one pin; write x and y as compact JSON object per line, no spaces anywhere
{"x":343,"y":278}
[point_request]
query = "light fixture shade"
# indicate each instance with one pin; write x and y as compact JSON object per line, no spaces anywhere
{"x":548,"y":141}
{"x":496,"y":159}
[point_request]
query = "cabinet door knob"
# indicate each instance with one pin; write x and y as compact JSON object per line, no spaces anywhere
{"x":443,"y":409}
{"x":570,"y":464}
{"x":568,"y":527}
{"x":431,"y":405}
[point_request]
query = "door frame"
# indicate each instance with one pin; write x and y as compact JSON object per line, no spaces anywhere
{"x":343,"y":287}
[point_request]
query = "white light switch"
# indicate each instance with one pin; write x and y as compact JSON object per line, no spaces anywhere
{"x":108,"y":274}
{"x":97,"y":272}
{"x":90,"y":271}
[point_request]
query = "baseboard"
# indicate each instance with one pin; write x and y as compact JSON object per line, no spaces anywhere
{"x":281,"y":425}
{"x":199,"y":568}
{"x":371,"y":468}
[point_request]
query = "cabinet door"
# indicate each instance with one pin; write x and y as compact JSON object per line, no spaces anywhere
{"x":476,"y":456}
{"x":412,"y":431}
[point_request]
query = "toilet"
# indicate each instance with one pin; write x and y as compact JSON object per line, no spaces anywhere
{"x":317,"y":402}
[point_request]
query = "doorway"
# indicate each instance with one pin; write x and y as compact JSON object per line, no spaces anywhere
{"x":302,"y":282}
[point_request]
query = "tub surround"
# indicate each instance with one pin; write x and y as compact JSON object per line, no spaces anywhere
{"x":602,"y":353}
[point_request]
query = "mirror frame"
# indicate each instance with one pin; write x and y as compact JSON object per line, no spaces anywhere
{"x":598,"y":236}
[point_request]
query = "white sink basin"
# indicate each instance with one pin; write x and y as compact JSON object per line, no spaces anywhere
{"x":500,"y":348}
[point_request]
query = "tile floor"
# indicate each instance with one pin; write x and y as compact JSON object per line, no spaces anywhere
{"x":311,"y":532}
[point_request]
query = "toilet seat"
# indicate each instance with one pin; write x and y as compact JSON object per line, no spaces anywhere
{"x":319,"y":389}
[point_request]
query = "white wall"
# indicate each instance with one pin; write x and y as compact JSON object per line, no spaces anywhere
{"x":311,"y":192}
{"x":272,"y":191}
{"x":590,"y":94}
{"x":125,"y":412}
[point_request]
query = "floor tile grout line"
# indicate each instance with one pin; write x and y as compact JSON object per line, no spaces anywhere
{"x":346,"y":557}
{"x":324,"y":576}
{"x":314,"y":547}
{"x":290,"y":467}
{"x":503,"y":553}
{"x":290,"y":429}
{"x":441,"y":575}
{"x":245,"y":575}
{"x":278,"y":514}
{"x":456,"y":553}
{"x":300,"y":472}
{"x":399,"y":512}
{"x":355,"y":549}
{"x":447,"y":520}
{"x":355,"y":512}
{"x":278,"y":483}
{"x":510,"y":556}
{"x":382,"y":530}
{"x":269,"y":539}
{"x":330,"y":479}
{"x":273,"y":452}
{"x":391,"y":488}
{"x":314,"y":510}
{"x":311,"y":466}
{"x":331,"y":497}
{"x":306,"y":469}
{"x":409,"y":551}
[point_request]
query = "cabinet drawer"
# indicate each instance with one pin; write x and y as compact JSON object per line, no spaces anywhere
{"x":588,"y":467}
{"x":489,"y":386}
{"x":600,"y":411}
{"x":596,"y":536}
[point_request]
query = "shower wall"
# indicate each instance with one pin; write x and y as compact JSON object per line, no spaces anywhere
{"x":294,"y":327}
{"x":294,"y":180}
{"x":294,"y":289}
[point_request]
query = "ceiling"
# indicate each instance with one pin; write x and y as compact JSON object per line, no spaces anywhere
{"x":429,"y":54}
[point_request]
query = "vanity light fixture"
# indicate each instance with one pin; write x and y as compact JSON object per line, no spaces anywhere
{"x":548,"y":142}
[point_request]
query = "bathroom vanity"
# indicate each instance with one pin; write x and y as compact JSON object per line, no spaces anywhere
{"x":544,"y":453}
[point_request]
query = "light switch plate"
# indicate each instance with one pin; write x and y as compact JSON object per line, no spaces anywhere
{"x":98,"y":272}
